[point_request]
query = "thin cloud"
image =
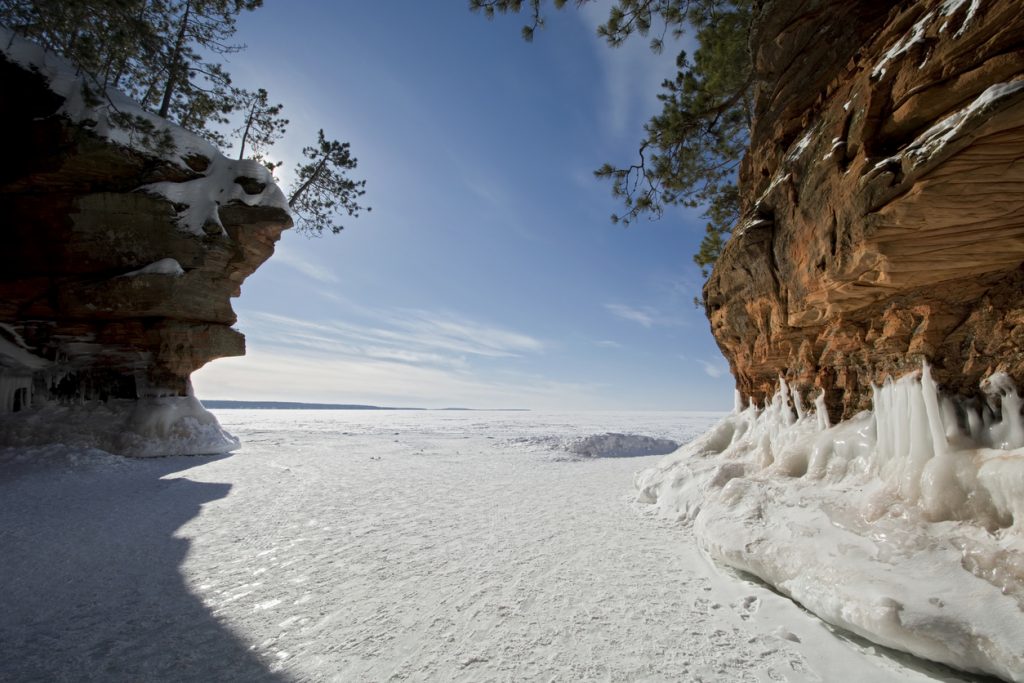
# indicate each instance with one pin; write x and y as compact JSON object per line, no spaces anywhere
{"x":712,"y":369}
{"x":286,"y":258}
{"x":632,"y":73}
{"x":644,"y":316}
{"x":385,"y":357}
{"x":413,"y":336}
{"x":607,"y":343}
{"x":277,"y":374}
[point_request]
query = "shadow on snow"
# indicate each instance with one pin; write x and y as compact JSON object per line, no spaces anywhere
{"x":90,"y":576}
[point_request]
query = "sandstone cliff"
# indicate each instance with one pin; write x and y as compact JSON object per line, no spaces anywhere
{"x":883,"y":200}
{"x":124,"y":239}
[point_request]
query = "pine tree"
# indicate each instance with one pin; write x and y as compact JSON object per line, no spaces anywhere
{"x":691,"y":151}
{"x":157,"y":51}
{"x":262,"y":127}
{"x":322,"y":190}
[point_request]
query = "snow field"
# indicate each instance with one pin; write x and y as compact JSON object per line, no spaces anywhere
{"x":367,"y":546}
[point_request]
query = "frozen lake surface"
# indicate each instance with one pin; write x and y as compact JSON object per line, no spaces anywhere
{"x":380,"y":545}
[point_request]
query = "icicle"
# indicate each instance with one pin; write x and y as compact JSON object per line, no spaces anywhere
{"x":15,"y":392}
{"x":821,"y":412}
{"x":737,"y":402}
{"x":784,"y":412}
{"x":798,"y":401}
{"x":1009,"y":431}
{"x":930,"y":394}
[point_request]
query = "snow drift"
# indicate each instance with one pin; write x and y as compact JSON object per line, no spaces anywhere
{"x":902,"y":525}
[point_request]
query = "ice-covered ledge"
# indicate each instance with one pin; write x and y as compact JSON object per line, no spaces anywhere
{"x":126,"y":237}
{"x":904,"y":525}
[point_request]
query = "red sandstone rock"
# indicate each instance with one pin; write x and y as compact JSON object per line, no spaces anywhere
{"x":883,"y":195}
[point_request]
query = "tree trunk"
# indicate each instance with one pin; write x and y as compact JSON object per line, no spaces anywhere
{"x":174,"y":65}
{"x":309,"y":181}
{"x":245,"y":133}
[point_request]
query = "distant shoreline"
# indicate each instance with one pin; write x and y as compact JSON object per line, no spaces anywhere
{"x":291,"y":405}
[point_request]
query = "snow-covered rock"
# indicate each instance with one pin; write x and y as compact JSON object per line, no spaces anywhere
{"x":125,"y":238}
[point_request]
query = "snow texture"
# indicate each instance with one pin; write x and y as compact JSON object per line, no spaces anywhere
{"x":384,"y":545}
{"x":105,"y":115}
{"x":203,"y":196}
{"x":916,"y":35}
{"x":902,"y":525}
{"x":917,"y":32}
{"x":951,"y":127}
{"x":165,"y":266}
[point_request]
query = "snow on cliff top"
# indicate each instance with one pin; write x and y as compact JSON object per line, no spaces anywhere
{"x":107,"y":118}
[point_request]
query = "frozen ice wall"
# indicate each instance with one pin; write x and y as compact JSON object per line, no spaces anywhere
{"x":902,"y":524}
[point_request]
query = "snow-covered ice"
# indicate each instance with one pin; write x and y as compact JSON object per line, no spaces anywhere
{"x":366,"y":546}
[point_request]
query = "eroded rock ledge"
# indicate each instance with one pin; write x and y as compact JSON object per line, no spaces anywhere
{"x":121,"y":250}
{"x":883,"y":196}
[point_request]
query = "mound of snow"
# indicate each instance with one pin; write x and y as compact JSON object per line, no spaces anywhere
{"x":613,"y":445}
{"x":902,"y":525}
{"x":147,"y":427}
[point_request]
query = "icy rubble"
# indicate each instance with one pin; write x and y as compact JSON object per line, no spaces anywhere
{"x":615,"y":445}
{"x":106,"y":116}
{"x":902,"y":525}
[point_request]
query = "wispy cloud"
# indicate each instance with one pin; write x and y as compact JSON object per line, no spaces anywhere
{"x":286,"y":257}
{"x":644,"y":315}
{"x":632,"y":72}
{"x":392,"y":357}
{"x":280,"y":375}
{"x":712,"y":369}
{"x":608,"y":343}
{"x":424,"y":336}
{"x":648,"y":316}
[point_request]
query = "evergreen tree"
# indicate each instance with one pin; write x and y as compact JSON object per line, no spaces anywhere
{"x":154,"y":50}
{"x":691,"y":151}
{"x":262,"y":127}
{"x":159,"y":52}
{"x":322,"y":190}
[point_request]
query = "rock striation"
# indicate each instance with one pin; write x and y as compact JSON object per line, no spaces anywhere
{"x":124,"y":239}
{"x":883,"y":200}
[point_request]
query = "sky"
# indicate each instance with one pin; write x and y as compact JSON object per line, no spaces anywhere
{"x":488,"y":273}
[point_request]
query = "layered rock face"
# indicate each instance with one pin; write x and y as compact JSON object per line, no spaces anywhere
{"x":883,"y":194}
{"x":124,"y":239}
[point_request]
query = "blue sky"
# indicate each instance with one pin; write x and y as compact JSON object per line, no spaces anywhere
{"x":488,"y":273}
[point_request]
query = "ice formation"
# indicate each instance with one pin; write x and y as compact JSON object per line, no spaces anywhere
{"x":902,"y":524}
{"x":147,"y":427}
